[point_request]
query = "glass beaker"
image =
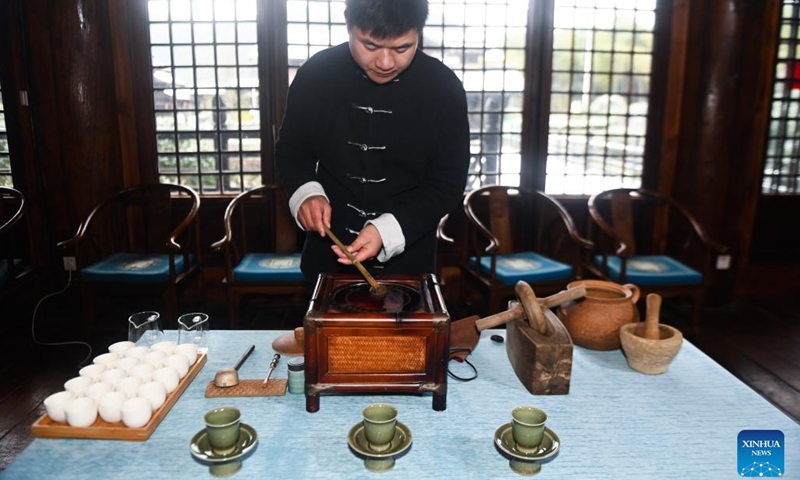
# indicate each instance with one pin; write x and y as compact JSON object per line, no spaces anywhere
{"x":144,"y":328}
{"x":194,"y":328}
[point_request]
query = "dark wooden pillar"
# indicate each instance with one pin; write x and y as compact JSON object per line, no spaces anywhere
{"x":74,"y":106}
{"x":709,"y":116}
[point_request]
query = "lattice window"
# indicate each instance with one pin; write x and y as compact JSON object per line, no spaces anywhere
{"x":5,"y":157}
{"x":206,"y":85}
{"x":602,"y":60}
{"x":312,"y":26}
{"x":483,"y":42}
{"x":206,"y":91}
{"x":782,"y":156}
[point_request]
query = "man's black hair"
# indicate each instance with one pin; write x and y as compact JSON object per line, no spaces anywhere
{"x":387,"y":18}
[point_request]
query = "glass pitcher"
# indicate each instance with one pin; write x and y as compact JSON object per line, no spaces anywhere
{"x":194,"y":328}
{"x":144,"y":328}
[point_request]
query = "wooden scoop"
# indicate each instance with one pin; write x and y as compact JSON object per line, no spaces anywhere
{"x":375,"y":288}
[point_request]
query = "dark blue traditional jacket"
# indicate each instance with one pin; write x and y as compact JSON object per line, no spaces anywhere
{"x":399,"y":148}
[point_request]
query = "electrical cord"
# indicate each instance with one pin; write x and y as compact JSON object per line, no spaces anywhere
{"x":54,"y":344}
{"x":457,"y":377}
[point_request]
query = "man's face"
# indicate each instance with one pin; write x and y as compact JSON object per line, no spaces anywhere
{"x":382,"y":59}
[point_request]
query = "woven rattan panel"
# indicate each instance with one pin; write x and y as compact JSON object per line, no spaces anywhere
{"x":376,"y":354}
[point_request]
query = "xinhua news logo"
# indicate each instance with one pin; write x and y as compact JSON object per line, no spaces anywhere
{"x":760,"y":453}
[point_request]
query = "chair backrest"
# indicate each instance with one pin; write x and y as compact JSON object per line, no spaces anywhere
{"x":155,"y":218}
{"x":259,"y":220}
{"x":12,"y":211}
{"x":646,"y":222}
{"x":508,"y":219}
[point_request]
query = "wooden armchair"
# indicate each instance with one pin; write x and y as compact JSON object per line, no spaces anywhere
{"x":261,"y":250}
{"x":143,"y":240}
{"x":653,"y":242}
{"x":513,"y":235}
{"x":15,"y":261}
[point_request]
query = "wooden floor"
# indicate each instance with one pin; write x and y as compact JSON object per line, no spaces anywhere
{"x":756,"y":340}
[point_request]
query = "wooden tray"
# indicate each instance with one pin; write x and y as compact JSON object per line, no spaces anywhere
{"x":44,"y":427}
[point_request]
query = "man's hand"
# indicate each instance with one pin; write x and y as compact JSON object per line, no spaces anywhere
{"x":314,"y":213}
{"x":365,"y":247}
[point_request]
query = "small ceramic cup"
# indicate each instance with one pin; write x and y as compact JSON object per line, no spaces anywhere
{"x":121,"y":347}
{"x":113,"y":375}
{"x":154,"y":392}
{"x":167,"y":346}
{"x":137,"y":352}
{"x":78,"y":385}
{"x":97,"y":390}
{"x":81,"y":412}
{"x":527,"y":428}
{"x":136,"y":412}
{"x":127,"y":363}
{"x":223,"y":425}
{"x":380,"y":422}
{"x":143,"y":371}
{"x":55,"y":404}
{"x":109,"y":406}
{"x":169,"y":377}
{"x":154,"y":358}
{"x":128,"y":386}
{"x":179,"y":363}
{"x":188,"y":350}
{"x":107,"y":359}
{"x":93,"y":371}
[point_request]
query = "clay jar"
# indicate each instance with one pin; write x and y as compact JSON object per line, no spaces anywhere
{"x":594,"y":322}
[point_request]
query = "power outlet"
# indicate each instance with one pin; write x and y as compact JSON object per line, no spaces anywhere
{"x":69,"y":264}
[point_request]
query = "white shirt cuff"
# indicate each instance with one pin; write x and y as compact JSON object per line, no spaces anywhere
{"x":394,"y":242}
{"x":309,"y":189}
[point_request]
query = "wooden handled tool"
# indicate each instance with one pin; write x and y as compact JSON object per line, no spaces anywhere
{"x":375,"y":289}
{"x":519,"y":310}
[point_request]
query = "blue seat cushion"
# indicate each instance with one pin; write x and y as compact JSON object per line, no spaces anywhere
{"x":527,"y":266}
{"x":269,"y":267}
{"x":132,"y":268}
{"x":643,"y":270}
{"x":4,"y":273}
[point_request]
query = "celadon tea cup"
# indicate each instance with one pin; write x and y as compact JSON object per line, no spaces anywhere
{"x":380,"y":422}
{"x":222,"y":427}
{"x":527,"y":428}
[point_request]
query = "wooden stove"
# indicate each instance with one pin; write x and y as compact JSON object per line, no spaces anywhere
{"x":355,"y":342}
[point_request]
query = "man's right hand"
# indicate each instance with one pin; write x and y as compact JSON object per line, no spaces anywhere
{"x":314,"y":214}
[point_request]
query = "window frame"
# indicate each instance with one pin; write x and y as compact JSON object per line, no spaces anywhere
{"x":272,"y":45}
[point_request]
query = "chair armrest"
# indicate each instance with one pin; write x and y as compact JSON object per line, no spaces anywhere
{"x":172,"y":243}
{"x":440,"y":231}
{"x":701,"y":234}
{"x":221,"y":244}
{"x":494,"y":243}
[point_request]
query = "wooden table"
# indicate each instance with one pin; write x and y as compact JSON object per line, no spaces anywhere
{"x":614,"y":423}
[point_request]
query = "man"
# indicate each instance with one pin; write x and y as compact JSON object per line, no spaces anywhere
{"x":374,"y":144}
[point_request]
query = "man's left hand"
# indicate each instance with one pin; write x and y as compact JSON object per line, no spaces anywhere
{"x":365,"y":247}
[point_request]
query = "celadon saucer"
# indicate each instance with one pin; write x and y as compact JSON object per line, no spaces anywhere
{"x":224,"y":465}
{"x":384,"y":460}
{"x":526,"y":463}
